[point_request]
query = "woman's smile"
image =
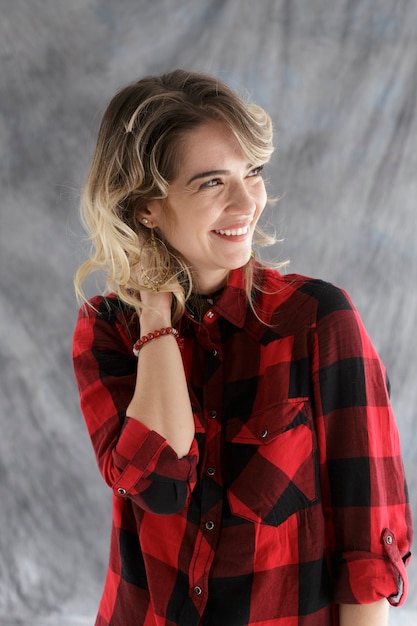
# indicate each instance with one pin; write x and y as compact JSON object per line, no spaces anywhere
{"x":233,"y":233}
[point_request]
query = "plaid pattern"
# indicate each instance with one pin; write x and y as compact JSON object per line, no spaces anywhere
{"x":292,"y":498}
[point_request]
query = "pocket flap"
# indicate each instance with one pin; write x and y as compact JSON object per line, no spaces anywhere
{"x":261,"y":428}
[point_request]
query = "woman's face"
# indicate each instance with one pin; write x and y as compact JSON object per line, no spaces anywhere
{"x":214,"y":204}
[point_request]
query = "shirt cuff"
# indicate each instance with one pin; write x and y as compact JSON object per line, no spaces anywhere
{"x":141,"y":452}
{"x":364,"y":578}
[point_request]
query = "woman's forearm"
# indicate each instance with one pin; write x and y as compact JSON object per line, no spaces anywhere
{"x":161,"y":400}
{"x":375,"y":614}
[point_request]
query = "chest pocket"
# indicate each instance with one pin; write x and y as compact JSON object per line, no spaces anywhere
{"x":271,"y":463}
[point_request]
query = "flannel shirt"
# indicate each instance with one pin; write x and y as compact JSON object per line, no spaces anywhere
{"x":292,"y":498}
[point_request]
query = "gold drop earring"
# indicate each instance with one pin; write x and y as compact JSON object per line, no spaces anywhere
{"x":155,"y":274}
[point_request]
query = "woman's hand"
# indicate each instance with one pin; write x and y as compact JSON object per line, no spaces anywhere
{"x":156,"y":310}
{"x":375,"y":614}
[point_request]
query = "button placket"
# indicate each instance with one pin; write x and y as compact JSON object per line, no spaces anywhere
{"x":211,"y":495}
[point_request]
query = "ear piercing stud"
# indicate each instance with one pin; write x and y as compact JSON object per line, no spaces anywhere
{"x":145,"y":221}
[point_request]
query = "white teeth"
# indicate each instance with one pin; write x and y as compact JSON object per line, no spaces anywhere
{"x":234,"y":231}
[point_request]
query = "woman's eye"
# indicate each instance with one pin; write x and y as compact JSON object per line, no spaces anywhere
{"x":257,"y":171}
{"x":211,"y":183}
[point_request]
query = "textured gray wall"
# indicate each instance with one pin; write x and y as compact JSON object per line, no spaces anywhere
{"x":340,"y":80}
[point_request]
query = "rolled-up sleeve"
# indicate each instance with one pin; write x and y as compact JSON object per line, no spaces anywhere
{"x":136,"y":462}
{"x":365,"y":500}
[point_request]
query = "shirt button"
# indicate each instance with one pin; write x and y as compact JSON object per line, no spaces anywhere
{"x":213,"y":414}
{"x":198,"y":591}
{"x":214,"y":352}
{"x":121,"y":491}
{"x":211,"y":471}
{"x":264,"y":434}
{"x":209,"y":525}
{"x":389,"y":540}
{"x":210,"y":315}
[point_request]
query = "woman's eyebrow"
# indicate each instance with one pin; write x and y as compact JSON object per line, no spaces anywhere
{"x":213,"y":173}
{"x":208,"y":174}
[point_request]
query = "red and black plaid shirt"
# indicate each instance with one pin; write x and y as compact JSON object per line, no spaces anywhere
{"x":292,"y":498}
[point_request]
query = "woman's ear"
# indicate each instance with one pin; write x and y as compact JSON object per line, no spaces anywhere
{"x":150,"y":213}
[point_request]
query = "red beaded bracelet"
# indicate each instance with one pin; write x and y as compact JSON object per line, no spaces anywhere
{"x":155,"y":335}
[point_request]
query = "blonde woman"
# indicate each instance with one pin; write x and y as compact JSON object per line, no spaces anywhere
{"x":240,"y":416}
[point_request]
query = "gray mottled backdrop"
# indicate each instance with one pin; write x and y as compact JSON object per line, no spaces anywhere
{"x":340,"y":80}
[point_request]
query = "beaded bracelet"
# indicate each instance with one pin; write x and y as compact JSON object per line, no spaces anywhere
{"x":155,"y":335}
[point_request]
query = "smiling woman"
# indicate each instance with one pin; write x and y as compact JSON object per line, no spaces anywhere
{"x":145,"y":150}
{"x":238,"y":415}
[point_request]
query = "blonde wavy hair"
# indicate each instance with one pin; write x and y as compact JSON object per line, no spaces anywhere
{"x":137,"y":155}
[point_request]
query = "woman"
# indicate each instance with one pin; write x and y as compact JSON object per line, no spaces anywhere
{"x":240,"y":416}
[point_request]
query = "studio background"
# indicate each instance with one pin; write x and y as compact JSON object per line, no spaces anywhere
{"x":340,"y":81}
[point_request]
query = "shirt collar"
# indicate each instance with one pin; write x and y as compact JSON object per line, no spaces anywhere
{"x":233,"y":302}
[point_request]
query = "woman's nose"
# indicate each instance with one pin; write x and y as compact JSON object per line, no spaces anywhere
{"x":240,"y":199}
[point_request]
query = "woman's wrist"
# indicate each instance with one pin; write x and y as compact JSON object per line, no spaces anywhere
{"x":153,"y":336}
